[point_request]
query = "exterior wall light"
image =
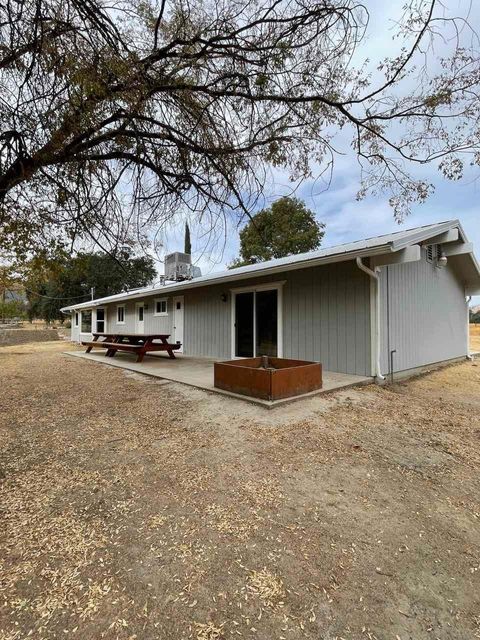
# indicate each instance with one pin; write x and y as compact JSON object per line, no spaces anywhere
{"x":441,"y":259}
{"x":223,"y":297}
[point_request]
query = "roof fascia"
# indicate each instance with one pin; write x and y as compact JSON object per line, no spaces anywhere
{"x":473,"y":258}
{"x":392,"y":246}
{"x":266,"y":271}
{"x":424,"y":234}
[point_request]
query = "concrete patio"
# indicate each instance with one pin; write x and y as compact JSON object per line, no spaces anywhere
{"x":198,"y":372}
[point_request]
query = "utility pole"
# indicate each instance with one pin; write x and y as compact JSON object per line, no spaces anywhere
{"x":92,"y":292}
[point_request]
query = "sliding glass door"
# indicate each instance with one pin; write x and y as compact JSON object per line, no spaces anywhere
{"x":256,"y":323}
{"x":244,"y":325}
{"x":266,"y":314}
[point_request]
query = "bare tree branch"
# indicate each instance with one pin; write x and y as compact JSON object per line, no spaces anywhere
{"x":113,"y":117}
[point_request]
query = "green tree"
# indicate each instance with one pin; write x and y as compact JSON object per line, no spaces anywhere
{"x":188,"y":243}
{"x":284,"y":229}
{"x":51,"y":286}
{"x":11,"y":309}
{"x":8,"y":279}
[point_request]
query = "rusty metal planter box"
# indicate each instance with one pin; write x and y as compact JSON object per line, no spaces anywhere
{"x":286,"y":379}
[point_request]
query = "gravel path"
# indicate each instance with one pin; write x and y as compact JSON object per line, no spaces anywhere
{"x":137,"y":509}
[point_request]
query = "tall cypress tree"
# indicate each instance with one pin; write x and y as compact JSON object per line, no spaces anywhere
{"x":188,"y":244}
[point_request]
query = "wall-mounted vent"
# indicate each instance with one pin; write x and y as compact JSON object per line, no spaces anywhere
{"x":434,"y":254}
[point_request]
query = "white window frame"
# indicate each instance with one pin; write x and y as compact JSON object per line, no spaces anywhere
{"x":160,"y":313}
{"x":260,"y":287}
{"x":120,"y":306}
{"x":93,"y":322}
{"x":94,"y":319}
{"x":77,"y":318}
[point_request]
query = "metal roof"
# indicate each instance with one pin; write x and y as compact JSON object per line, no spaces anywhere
{"x":376,"y":245}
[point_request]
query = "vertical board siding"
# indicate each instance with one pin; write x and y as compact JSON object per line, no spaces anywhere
{"x":153,"y":323}
{"x":326,"y":317}
{"x":423,"y":315}
{"x":207,"y":322}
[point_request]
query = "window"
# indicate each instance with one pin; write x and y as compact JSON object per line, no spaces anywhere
{"x":76,"y":318}
{"x":100,"y":320}
{"x":86,"y":322}
{"x":161,"y":308}
{"x":121,"y":314}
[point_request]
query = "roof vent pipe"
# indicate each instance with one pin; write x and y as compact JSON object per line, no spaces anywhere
{"x":374,"y":276}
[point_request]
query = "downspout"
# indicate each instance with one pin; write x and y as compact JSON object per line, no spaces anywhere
{"x":469,"y":355}
{"x":374,"y":275}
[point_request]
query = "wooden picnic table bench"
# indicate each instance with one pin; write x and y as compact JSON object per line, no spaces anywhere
{"x":139,"y":343}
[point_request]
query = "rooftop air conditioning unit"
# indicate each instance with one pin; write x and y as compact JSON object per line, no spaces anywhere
{"x":178,"y":266}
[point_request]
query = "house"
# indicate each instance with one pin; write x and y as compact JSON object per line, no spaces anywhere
{"x":395,"y":302}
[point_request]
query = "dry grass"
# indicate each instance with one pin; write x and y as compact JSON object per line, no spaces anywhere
{"x":475,"y":337}
{"x":208,"y":631}
{"x":267,"y":587}
{"x":138,"y":510}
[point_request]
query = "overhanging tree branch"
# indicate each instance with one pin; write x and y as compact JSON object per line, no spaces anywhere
{"x":114,"y":116}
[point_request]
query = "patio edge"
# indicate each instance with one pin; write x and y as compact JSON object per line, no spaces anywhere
{"x":267,"y":404}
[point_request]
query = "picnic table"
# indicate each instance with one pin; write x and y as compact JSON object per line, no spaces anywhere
{"x":139,"y":343}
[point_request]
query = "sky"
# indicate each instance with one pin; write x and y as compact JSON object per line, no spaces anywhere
{"x":346,"y":218}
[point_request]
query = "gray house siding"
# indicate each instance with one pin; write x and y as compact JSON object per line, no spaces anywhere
{"x":424,"y":315}
{"x":326,"y":317}
{"x":153,"y":323}
{"x":207,"y":330}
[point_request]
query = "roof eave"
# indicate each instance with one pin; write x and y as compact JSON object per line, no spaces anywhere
{"x":424,"y":234}
{"x":239,"y":274}
{"x":233,"y":277}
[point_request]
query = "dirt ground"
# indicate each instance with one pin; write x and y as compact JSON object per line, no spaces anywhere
{"x":137,"y":509}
